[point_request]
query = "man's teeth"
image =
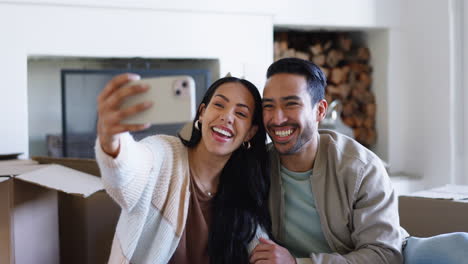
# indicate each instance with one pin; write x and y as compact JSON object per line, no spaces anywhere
{"x":283,"y":133}
{"x":221,"y":131}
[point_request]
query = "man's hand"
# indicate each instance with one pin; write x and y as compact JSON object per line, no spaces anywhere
{"x":268,"y":252}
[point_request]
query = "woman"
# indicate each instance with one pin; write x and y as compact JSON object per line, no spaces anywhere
{"x":196,"y":200}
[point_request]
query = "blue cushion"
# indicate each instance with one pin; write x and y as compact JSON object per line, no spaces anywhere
{"x":449,"y":248}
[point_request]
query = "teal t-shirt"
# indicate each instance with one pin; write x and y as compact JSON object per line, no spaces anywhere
{"x":302,"y":229}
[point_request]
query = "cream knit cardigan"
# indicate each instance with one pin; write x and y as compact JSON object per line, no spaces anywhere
{"x":150,"y":181}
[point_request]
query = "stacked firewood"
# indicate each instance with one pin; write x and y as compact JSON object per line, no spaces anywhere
{"x":345,"y":62}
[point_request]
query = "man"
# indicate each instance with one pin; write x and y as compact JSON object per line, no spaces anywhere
{"x":331,"y":200}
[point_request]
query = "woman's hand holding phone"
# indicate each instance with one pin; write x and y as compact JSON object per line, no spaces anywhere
{"x":110,"y":115}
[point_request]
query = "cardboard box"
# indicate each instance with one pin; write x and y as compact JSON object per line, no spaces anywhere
{"x":54,"y":214}
{"x":28,"y":219}
{"x":435,"y":211}
{"x":5,"y":222}
{"x":84,"y":165}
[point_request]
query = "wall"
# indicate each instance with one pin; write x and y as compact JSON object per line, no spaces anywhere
{"x":207,"y":29}
{"x":258,"y":7}
{"x":420,"y":123}
{"x":97,"y":32}
{"x":338,"y":13}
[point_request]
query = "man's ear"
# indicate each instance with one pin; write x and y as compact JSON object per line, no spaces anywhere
{"x":252,"y":131}
{"x":201,"y":111}
{"x":322,"y":107}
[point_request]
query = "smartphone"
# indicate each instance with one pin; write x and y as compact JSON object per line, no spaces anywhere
{"x":173,"y":100}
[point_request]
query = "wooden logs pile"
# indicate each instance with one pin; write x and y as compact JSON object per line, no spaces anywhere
{"x":345,"y":62}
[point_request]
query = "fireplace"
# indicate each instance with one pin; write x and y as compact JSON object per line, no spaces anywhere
{"x":72,"y":86}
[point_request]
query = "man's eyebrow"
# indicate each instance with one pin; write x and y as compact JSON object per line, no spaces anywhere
{"x":290,"y":97}
{"x":286,"y":98}
{"x":227,"y":100}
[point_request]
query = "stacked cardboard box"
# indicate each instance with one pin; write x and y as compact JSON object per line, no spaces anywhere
{"x":435,"y":211}
{"x":50,"y":213}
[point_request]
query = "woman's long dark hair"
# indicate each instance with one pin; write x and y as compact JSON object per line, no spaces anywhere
{"x":241,"y":202}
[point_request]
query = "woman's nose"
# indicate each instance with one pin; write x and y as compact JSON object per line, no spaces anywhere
{"x":227,"y":116}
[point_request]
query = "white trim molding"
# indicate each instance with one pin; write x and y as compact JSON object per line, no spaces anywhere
{"x":464,"y":29}
{"x":458,"y":112}
{"x":261,"y":7}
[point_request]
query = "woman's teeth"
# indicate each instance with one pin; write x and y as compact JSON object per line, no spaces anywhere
{"x":222,"y":132}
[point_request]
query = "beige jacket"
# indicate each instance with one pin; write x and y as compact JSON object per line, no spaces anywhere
{"x":356,"y":203}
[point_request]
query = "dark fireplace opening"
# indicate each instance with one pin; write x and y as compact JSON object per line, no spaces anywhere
{"x":79,"y":83}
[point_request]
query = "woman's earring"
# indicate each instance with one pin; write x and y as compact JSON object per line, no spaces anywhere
{"x":247,"y":145}
{"x":197,"y":125}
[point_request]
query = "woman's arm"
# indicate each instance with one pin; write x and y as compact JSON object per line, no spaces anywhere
{"x":125,"y":164}
{"x":125,"y":176}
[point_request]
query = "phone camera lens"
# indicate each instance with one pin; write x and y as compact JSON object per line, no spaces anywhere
{"x":184,"y":84}
{"x":177,"y":92}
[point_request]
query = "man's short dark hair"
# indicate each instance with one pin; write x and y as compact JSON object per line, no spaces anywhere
{"x":316,"y":80}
